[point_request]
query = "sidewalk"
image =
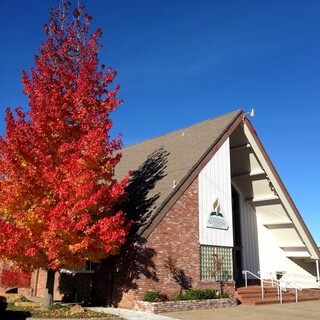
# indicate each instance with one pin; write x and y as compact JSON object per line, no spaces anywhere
{"x":307,"y":310}
{"x":128,"y":314}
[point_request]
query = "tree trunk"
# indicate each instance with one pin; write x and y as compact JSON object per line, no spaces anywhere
{"x":48,"y":297}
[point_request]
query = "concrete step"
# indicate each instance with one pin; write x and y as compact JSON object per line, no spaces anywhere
{"x":266,"y":294}
{"x":252,"y":295}
{"x":269,"y":300}
{"x":256,"y":289}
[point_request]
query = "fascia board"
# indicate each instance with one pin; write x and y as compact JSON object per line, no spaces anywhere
{"x":283,"y":194}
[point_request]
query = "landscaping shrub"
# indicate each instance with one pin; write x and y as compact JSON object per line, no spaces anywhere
{"x":194,"y":294}
{"x":200,"y":294}
{"x":155,"y":296}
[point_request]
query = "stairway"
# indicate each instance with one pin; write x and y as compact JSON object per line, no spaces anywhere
{"x":252,"y":295}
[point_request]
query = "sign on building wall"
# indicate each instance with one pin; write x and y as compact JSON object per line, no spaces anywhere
{"x":216,"y":218}
{"x":215,"y":200}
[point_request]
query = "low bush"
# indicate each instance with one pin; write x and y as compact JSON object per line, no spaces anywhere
{"x":200,"y":294}
{"x":194,"y":294}
{"x":155,"y":296}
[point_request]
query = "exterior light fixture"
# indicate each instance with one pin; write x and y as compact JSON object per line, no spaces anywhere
{"x":251,"y":113}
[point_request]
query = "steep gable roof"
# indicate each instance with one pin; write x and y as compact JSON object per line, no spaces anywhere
{"x":162,"y":165}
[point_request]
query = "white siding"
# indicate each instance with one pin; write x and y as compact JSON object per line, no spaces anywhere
{"x":249,"y":237}
{"x":215,"y":182}
{"x":272,"y":259}
{"x":261,"y":252}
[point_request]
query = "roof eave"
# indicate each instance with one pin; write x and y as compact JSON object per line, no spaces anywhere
{"x":281,"y":190}
{"x":192,"y":175}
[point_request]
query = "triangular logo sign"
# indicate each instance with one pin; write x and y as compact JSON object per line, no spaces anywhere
{"x":216,"y":218}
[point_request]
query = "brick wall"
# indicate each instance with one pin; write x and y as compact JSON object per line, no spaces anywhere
{"x":38,"y":284}
{"x":168,"y":261}
{"x":173,"y":306}
{"x":175,"y":242}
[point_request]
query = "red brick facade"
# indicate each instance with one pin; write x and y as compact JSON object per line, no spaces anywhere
{"x":38,"y":284}
{"x":175,"y":241}
{"x":176,"y":238}
{"x":167,"y":261}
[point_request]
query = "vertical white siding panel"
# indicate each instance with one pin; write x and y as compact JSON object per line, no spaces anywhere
{"x":272,"y":259}
{"x":249,"y":237}
{"x":215,"y":182}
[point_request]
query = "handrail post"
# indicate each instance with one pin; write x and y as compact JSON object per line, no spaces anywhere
{"x":318,"y":275}
{"x":281,"y":285}
{"x":245,"y":278}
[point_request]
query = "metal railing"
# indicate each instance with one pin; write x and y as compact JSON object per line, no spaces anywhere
{"x":303,"y":280}
{"x":246,"y":272}
{"x":282,"y":285}
{"x":272,"y":277}
{"x":294,"y":286}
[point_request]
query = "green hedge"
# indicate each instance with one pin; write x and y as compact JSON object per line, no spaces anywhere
{"x":155,"y":296}
{"x":198,"y":295}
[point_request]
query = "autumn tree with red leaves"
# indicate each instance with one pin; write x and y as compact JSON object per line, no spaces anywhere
{"x":14,"y":278}
{"x":57,"y":160}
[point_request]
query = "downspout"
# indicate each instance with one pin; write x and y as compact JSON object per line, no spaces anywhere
{"x":318,"y":276}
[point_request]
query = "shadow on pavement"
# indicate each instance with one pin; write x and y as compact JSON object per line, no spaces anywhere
{"x":14,"y":315}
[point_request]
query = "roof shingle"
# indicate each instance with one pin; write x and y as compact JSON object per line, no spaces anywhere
{"x":162,"y":164}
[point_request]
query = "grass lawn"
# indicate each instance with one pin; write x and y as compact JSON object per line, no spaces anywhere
{"x":56,"y":312}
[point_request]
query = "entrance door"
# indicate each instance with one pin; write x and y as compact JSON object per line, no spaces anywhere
{"x":237,"y":247}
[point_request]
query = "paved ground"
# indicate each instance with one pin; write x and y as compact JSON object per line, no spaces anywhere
{"x":290,"y":311}
{"x":309,"y":310}
{"x":132,"y":315}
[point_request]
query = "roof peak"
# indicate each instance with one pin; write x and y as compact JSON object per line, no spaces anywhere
{"x":235,"y":112}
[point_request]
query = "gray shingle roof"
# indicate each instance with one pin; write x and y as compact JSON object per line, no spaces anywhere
{"x":161,"y":165}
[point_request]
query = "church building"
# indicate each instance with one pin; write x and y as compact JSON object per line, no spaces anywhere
{"x":207,"y":205}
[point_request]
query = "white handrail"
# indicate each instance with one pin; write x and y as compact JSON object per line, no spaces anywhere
{"x":294,"y":286}
{"x":273,"y":280}
{"x":304,"y":279}
{"x":245,"y":272}
{"x":280,"y":287}
{"x":307,"y":281}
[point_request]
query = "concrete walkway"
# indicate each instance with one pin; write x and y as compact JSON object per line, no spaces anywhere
{"x":309,"y":310}
{"x":132,"y":315}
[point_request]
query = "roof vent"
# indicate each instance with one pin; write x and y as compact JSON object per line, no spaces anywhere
{"x":174,"y":184}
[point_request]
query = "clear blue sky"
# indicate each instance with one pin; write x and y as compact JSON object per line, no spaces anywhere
{"x":182,"y":62}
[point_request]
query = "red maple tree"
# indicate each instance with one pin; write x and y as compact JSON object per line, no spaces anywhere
{"x":14,"y":278}
{"x":57,"y":160}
